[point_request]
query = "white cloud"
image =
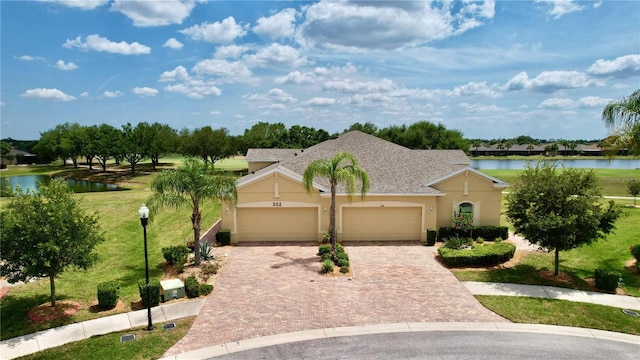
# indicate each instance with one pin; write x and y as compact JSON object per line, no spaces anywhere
{"x":224,"y":31}
{"x":320,"y":101}
{"x":355,"y":25}
{"x":31,"y":58}
{"x":215,"y":112}
{"x":297,"y":78}
{"x":97,"y":43}
{"x":112,"y":94}
{"x":223,"y":68}
{"x":280,"y":25}
{"x":68,"y":66}
{"x":481,"y":108}
{"x":229,"y":52}
{"x":145,"y":91}
{"x":195,"y":88}
{"x":561,"y":7}
{"x":550,"y":81}
{"x":80,"y":4}
{"x":173,"y":44}
{"x":568,"y":104}
{"x":620,"y":67}
{"x":84,"y":94}
{"x":47,"y":94}
{"x":350,"y":86}
{"x":276,"y":55}
{"x":154,"y":13}
{"x":475,"y":89}
{"x":177,"y":74}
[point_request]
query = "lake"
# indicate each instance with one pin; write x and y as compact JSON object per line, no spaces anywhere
{"x":513,"y":164}
{"x":78,"y":186}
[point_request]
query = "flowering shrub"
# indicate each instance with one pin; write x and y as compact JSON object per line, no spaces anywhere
{"x":462,"y":221}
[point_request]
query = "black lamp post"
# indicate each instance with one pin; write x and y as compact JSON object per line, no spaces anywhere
{"x":144,"y":219}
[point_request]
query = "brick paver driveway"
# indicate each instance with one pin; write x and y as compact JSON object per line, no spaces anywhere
{"x":264,"y":290}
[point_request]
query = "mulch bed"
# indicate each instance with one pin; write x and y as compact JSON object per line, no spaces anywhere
{"x":45,"y":312}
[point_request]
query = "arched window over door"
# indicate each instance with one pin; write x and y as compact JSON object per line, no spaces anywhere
{"x":465,"y":208}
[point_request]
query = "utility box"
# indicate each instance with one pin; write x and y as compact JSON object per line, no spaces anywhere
{"x":171,"y":289}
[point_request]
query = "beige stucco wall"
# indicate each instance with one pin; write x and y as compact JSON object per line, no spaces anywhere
{"x":257,"y":165}
{"x":475,"y":189}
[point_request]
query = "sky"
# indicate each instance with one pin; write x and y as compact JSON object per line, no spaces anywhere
{"x":490,"y":69}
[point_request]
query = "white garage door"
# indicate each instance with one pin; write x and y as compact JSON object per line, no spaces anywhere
{"x":381,"y":223}
{"x":277,"y":224}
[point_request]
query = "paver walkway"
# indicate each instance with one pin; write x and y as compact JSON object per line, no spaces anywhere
{"x":264,"y":290}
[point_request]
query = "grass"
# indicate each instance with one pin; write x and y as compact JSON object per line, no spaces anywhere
{"x":561,"y":312}
{"x":147,"y":345}
{"x":121,"y":256}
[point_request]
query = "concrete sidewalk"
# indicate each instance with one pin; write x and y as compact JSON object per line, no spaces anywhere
{"x":29,"y":344}
{"x":550,"y":292}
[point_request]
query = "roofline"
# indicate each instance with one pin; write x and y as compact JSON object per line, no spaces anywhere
{"x":278,"y":170}
{"x":497,"y":183}
{"x":328,"y":194}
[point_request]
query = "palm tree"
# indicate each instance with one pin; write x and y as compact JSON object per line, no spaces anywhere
{"x":342,"y":168}
{"x":623,"y":119}
{"x":191,"y":184}
{"x":530,"y":148}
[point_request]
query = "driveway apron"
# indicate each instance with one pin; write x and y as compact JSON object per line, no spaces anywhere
{"x":273,"y":289}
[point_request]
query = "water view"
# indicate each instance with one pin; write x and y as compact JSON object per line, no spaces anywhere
{"x":31,"y":182}
{"x":513,"y":164}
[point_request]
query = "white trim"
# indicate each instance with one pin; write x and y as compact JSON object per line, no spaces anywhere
{"x":277,"y":170}
{"x":328,"y":195}
{"x":497,"y":183}
{"x":373,"y":204}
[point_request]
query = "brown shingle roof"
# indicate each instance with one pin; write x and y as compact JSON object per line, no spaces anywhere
{"x":392,"y":169}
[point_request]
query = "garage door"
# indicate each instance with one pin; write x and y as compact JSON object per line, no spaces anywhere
{"x":277,"y":224}
{"x":381,"y":223}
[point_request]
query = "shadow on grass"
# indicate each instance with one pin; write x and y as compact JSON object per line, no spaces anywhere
{"x":15,"y":321}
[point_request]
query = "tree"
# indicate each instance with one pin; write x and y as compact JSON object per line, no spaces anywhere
{"x":559,"y":210}
{"x":368,"y":128}
{"x":191,"y":184}
{"x":425,"y":135}
{"x":5,"y":149}
{"x":634,"y":189}
{"x":206,"y":143}
{"x":135,"y":142}
{"x":476,"y":145}
{"x":106,"y":145}
{"x":45,"y":233}
{"x":163,"y":141}
{"x":342,"y":168}
{"x":622,"y":117}
{"x":530,"y":148}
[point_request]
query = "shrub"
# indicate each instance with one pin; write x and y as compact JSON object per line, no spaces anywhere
{"x":176,"y":256}
{"x":635,"y":251}
{"x":607,"y":280}
{"x":342,"y":262}
{"x":154,"y":291}
{"x":191,"y":287}
{"x":457,"y":243}
{"x":206,"y":289}
{"x":108,"y":294}
{"x":491,"y":233}
{"x":327,"y":266}
{"x":339,"y":248}
{"x":431,"y":237}
{"x":324,"y":249}
{"x":479,"y":255}
{"x":206,"y":251}
{"x":344,"y":269}
{"x":223,"y":237}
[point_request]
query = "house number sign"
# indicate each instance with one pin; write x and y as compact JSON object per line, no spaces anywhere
{"x":277,"y":203}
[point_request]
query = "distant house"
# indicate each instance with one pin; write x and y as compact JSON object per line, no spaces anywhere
{"x":535,"y":150}
{"x":411,"y":191}
{"x":17,"y":156}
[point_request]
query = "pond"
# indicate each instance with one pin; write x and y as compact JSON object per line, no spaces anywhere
{"x":31,"y":182}
{"x":513,"y":164}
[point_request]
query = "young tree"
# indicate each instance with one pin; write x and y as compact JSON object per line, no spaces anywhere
{"x":46,"y":232}
{"x":559,"y":210}
{"x":342,"y":168}
{"x":191,"y":184}
{"x":634,"y":189}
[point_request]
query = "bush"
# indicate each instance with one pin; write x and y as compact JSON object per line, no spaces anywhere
{"x":324,"y":249}
{"x":457,"y":243}
{"x":447,"y":232}
{"x":339,"y":248}
{"x":205,"y":251}
{"x":191,"y":287}
{"x":108,"y":294}
{"x":607,"y":280}
{"x":344,"y":269}
{"x":491,"y":233}
{"x":176,"y":256}
{"x":154,"y":291}
{"x":327,"y":266}
{"x":431,"y":237}
{"x":206,"y":289}
{"x":479,"y":255}
{"x":223,"y":237}
{"x":342,"y":262}
{"x":635,"y":251}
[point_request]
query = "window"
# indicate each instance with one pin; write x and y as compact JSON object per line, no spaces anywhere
{"x":465,"y":208}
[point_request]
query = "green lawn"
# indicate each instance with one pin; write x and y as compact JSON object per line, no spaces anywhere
{"x":121,"y":256}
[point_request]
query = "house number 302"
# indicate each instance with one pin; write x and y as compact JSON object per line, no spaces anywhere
{"x":277,"y":203}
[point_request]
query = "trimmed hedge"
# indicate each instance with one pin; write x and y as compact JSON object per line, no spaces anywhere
{"x":431,"y":237}
{"x":154,"y":291}
{"x":191,"y":287}
{"x":607,"y":280}
{"x":223,"y":237}
{"x":206,"y":289}
{"x":176,"y":256}
{"x":108,"y":292}
{"x":480,"y":255}
{"x":488,"y":233}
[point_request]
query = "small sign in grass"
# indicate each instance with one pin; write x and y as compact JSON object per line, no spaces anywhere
{"x":127,"y":337}
{"x":630,"y":312}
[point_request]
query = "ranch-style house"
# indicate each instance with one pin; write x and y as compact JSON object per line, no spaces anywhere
{"x":411,"y":191}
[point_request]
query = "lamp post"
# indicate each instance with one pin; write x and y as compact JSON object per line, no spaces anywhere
{"x":144,"y":219}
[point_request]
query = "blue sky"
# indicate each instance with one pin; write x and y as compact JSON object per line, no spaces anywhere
{"x":489,"y":69}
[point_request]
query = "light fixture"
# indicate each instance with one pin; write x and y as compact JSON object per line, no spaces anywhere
{"x":144,"y":220}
